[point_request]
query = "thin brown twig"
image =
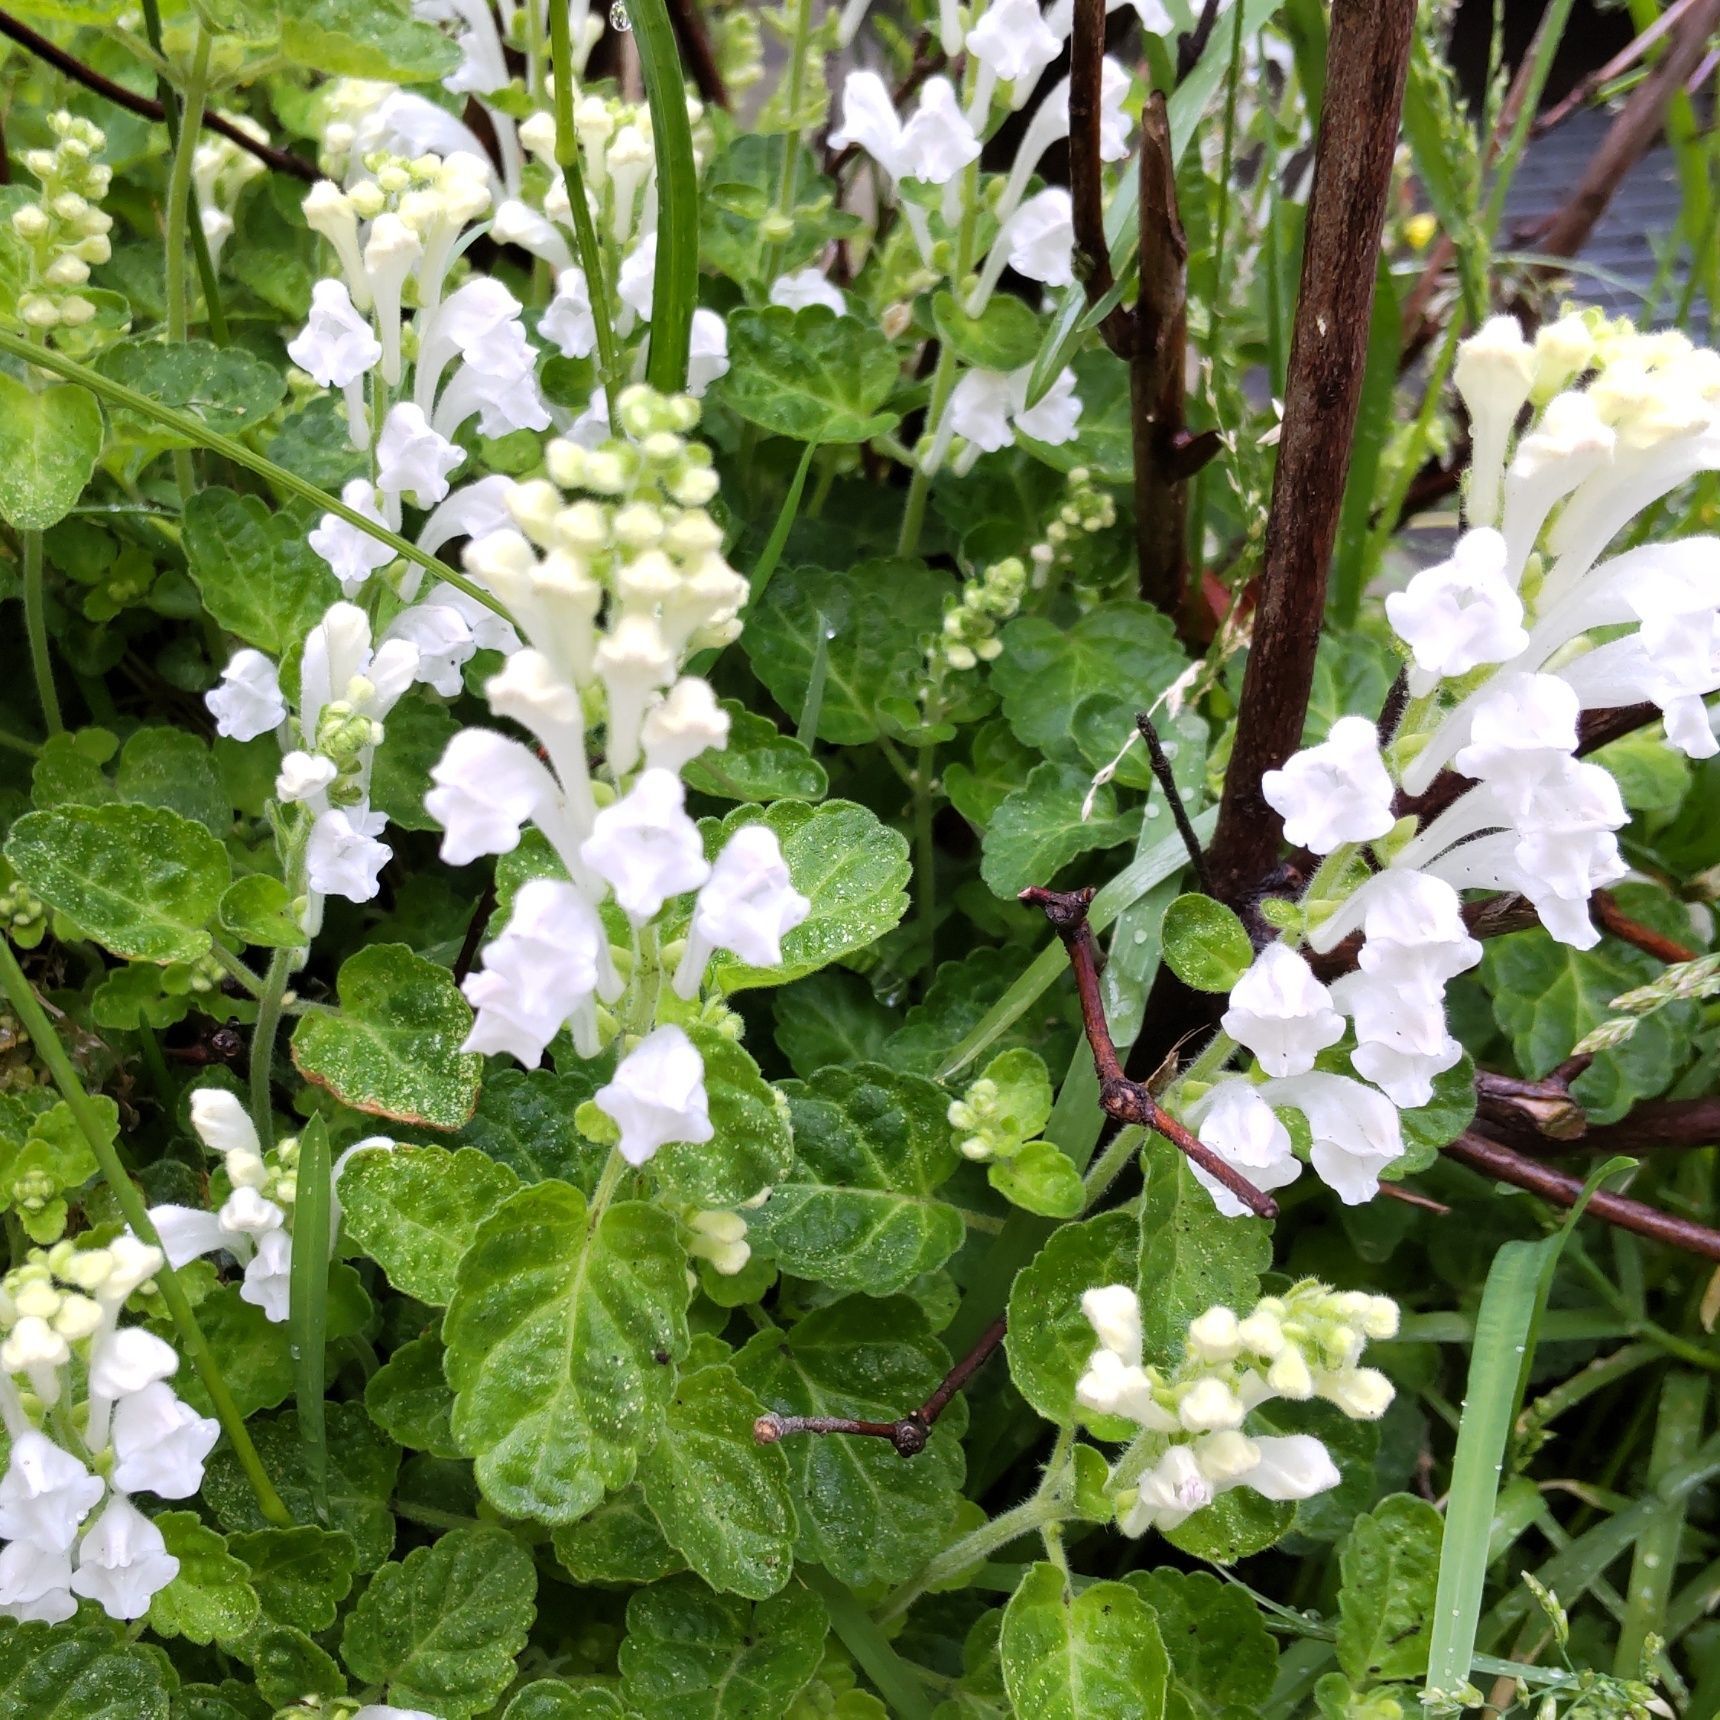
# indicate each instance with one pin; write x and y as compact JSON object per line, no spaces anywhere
{"x":1585,"y":88}
{"x":1192,"y":44}
{"x":1412,"y":1197}
{"x":1086,"y":174}
{"x":1166,"y":779}
{"x":1614,"y":919}
{"x":696,"y":49}
{"x":1559,"y":1188}
{"x":146,"y":107}
{"x":911,"y":1432}
{"x":1367,"y":61}
{"x":1659,"y":1123}
{"x":1124,"y":1100}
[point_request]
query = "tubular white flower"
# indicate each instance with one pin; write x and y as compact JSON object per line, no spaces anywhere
{"x":352,"y":553}
{"x":1041,"y":238}
{"x":472,"y":511}
{"x":746,"y":906}
{"x":343,"y":857}
{"x":336,"y":345}
{"x":458,"y":326}
{"x":1333,"y":793}
{"x":390,"y":254}
{"x":487,"y":789}
{"x":303,"y":776}
{"x":1494,"y":372}
{"x":267,"y":1280}
{"x":1355,"y":1129}
{"x":1013,"y":45}
{"x":45,"y":1493}
{"x":1114,"y":1313}
{"x":160,"y":1443}
{"x":1402,"y":1042}
{"x":569,"y":321}
{"x":123,"y":1561}
{"x":657,"y":1096}
{"x":412,"y":460}
{"x":128,"y":1359}
{"x":708,"y":357}
{"x":1054,"y":418}
{"x":1245,"y":1132}
{"x":517,"y":223}
{"x":686,"y":722}
{"x":635,"y":280}
{"x":36,"y":1583}
{"x":1169,"y":1494}
{"x":635,"y":662}
{"x":1292,"y":1466}
{"x":221,"y":1121}
{"x":541,"y":974}
{"x":807,"y":287}
{"x":1460,"y":614}
{"x":934,"y":144}
{"x":247,"y":702}
{"x":1282,"y":1013}
{"x":645,"y":847}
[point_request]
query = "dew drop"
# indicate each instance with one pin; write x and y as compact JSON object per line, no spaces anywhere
{"x":619,"y":17}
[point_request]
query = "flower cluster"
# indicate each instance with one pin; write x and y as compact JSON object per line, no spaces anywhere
{"x":220,"y":170}
{"x":66,"y":1513}
{"x":64,"y":230}
{"x":613,"y":591}
{"x":1302,"y":1345}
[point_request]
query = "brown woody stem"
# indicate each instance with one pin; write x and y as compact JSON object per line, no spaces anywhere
{"x":1614,"y":919}
{"x":1166,"y":779}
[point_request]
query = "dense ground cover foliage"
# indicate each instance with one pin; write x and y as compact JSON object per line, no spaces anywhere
{"x":771,"y":950}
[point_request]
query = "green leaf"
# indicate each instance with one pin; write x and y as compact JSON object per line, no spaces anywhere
{"x":547,"y":1700}
{"x":690,"y":1654}
{"x":1041,"y":1178}
{"x":1390,"y":1565}
{"x":722,"y":1499}
{"x":852,"y":868}
{"x":1092,"y":1656}
{"x":1192,"y":1256}
{"x":257,"y":574}
{"x":999,"y":764}
{"x":414,"y":738}
{"x":291,"y":1669}
{"x":865,"y":1515}
{"x":1049,"y":1337}
{"x":831,"y":1017}
{"x":1004,"y":336}
{"x":393,"y":1050}
{"x":174,"y":769}
{"x":1234,"y":1526}
{"x":554,"y":1335}
{"x":365,"y":39}
{"x":743,"y":185}
{"x":415,"y":1210}
{"x":524,"y":1120}
{"x":1223,"y":1660}
{"x":1040,"y":827}
{"x":409,"y":1399}
{"x":49,"y":444}
{"x":858,"y":1211}
{"x":871,"y":648}
{"x":1205,"y":945}
{"x":442,"y":1628}
{"x":140,"y":880}
{"x":809,"y":374}
{"x":759,"y":763}
{"x":211,"y":1598}
{"x":229,"y":388}
{"x":58,"y":1672}
{"x":619,"y":1542}
{"x":301,"y":1575}
{"x":1022,"y":1096}
{"x":1046,"y":669}
{"x":750,"y":1146}
{"x":258,"y":910}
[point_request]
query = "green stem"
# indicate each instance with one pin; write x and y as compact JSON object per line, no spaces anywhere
{"x":307,"y":1309}
{"x":180,"y":204}
{"x":1108,"y":1166}
{"x":263,"y":1044}
{"x":187,"y":425}
{"x":584,"y":232}
{"x":925,"y":852}
{"x":614,"y":1169}
{"x":36,"y":627}
{"x":978,"y":1544}
{"x":895,"y":1677}
{"x":53,"y":1053}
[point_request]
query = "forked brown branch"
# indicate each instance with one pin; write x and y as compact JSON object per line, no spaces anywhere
{"x":1123,"y":1100}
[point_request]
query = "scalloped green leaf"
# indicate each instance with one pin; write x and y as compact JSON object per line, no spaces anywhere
{"x":750,"y":1146}
{"x":59,"y":1672}
{"x":810,"y":374}
{"x":377,"y":39}
{"x":442,"y":1628}
{"x":301,"y":1574}
{"x":619,"y":1542}
{"x":1390,"y":1566}
{"x":1040,"y":827}
{"x":256,"y":573}
{"x":140,"y":880}
{"x":258,"y":909}
{"x":211,"y":1598}
{"x":1096,"y":1655}
{"x":860,"y":1211}
{"x":409,"y":1399}
{"x":1223,"y":1660}
{"x":760,"y":763}
{"x":50,"y":440}
{"x":393,"y":1047}
{"x":554,"y":1336}
{"x":227,"y":387}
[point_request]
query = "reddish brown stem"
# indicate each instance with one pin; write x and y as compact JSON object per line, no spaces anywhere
{"x":1086,"y":181}
{"x":146,"y":107}
{"x":1123,"y":1100}
{"x":1410,"y":1197}
{"x":1559,"y":1188}
{"x":1659,"y":1123}
{"x":1166,"y":779}
{"x":1328,"y":351}
{"x":1612,"y":918}
{"x":911,"y":1433}
{"x":695,"y":41}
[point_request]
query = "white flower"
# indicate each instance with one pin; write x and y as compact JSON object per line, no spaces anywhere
{"x":1114,"y":1313}
{"x":540,"y":974}
{"x":1414,"y":924}
{"x":381,"y":1711}
{"x":127,"y":1360}
{"x":708,"y":355}
{"x":487,"y":789}
{"x":745,"y":907}
{"x":1520,"y":727}
{"x":460,"y":324}
{"x":343,"y":857}
{"x":568,"y":321}
{"x":934,"y":145}
{"x":1114,"y":122}
{"x":1494,"y":372}
{"x":1336,"y":792}
{"x":338,"y":663}
{"x":1041,"y":239}
{"x":497,"y":380}
{"x":304,"y":775}
{"x":645,"y":847}
{"x":1282,"y":1013}
{"x":1170,"y":1493}
{"x":336,"y":345}
{"x":412,"y":460}
{"x":36,"y":1583}
{"x":657,"y":1096}
{"x":1291,"y":1466}
{"x":1401,"y":1039}
{"x":45,"y":1493}
{"x":351,"y":552}
{"x":1459,"y":614}
{"x":267,"y":1280}
{"x":1013,"y":42}
{"x":987,"y":407}
{"x":248,"y":701}
{"x":123,"y":1561}
{"x":160,"y":1443}
{"x":1245,"y":1132}
{"x":807,"y":287}
{"x":686,"y":722}
{"x":1355,"y":1129}
{"x":636,"y":280}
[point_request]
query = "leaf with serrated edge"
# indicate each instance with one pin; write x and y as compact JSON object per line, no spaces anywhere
{"x":809,"y":373}
{"x":210,"y":1598}
{"x":59,"y":1672}
{"x":1091,"y":1656}
{"x":301,"y":1574}
{"x":1390,"y":1566}
{"x":49,"y":443}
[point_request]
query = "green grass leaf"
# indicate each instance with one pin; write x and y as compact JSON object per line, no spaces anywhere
{"x":675,"y":290}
